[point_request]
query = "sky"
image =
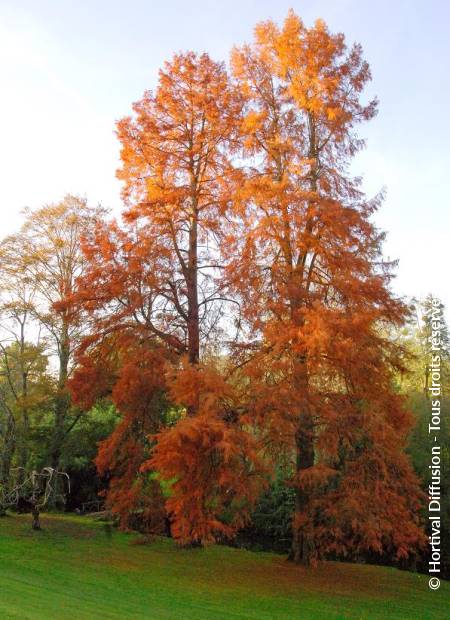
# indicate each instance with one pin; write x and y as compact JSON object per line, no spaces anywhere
{"x":70,"y":69}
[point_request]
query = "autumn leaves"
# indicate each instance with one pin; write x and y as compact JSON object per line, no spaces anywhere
{"x":236,"y":310}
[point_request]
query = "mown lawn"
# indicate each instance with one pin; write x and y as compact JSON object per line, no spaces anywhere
{"x":77,"y":569}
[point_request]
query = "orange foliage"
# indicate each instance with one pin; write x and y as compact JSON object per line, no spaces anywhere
{"x":176,"y":170}
{"x":134,"y":498}
{"x":241,"y":188}
{"x":136,"y":385}
{"x":305,"y":261}
{"x":217,"y":476}
{"x":213,"y":461}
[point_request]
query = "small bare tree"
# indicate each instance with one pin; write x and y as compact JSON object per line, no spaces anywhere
{"x":34,"y":490}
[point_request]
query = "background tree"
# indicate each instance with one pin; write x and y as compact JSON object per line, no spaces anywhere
{"x":423,"y":332}
{"x":25,"y":389}
{"x":414,"y":386}
{"x":25,"y":385}
{"x":47,"y":253}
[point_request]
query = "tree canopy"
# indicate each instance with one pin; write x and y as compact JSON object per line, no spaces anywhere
{"x":235,"y":335}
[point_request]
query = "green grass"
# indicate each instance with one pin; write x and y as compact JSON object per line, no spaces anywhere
{"x":76,"y":569}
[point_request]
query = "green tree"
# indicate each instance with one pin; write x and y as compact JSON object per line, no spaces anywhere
{"x":46,"y":253}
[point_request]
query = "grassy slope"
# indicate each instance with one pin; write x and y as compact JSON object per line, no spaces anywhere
{"x":75,"y":569}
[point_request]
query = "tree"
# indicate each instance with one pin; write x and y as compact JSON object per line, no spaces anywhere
{"x":158,"y":278}
{"x":416,"y":337}
{"x":33,"y":491}
{"x":25,"y":384}
{"x":176,"y":169}
{"x":46,"y":252}
{"x":239,"y":194}
{"x":429,"y":314}
{"x":306,"y":262}
{"x":26,"y":389}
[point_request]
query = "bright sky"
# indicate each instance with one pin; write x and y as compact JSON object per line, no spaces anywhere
{"x":69,"y":70}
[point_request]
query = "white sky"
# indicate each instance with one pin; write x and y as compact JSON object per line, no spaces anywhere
{"x":68,"y":70}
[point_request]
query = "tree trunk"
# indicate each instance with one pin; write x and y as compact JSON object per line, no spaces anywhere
{"x":192,"y":291}
{"x":22,"y":448}
{"x":62,"y":405}
{"x":8,"y":449}
{"x":302,"y":539}
{"x":36,"y":523}
{"x":61,"y":409}
{"x":23,"y":443}
{"x":193,"y":327}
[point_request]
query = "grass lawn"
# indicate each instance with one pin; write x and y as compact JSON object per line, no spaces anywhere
{"x":77,"y":569}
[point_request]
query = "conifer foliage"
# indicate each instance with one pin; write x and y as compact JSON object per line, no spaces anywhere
{"x":307,"y":266}
{"x":246,"y":291}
